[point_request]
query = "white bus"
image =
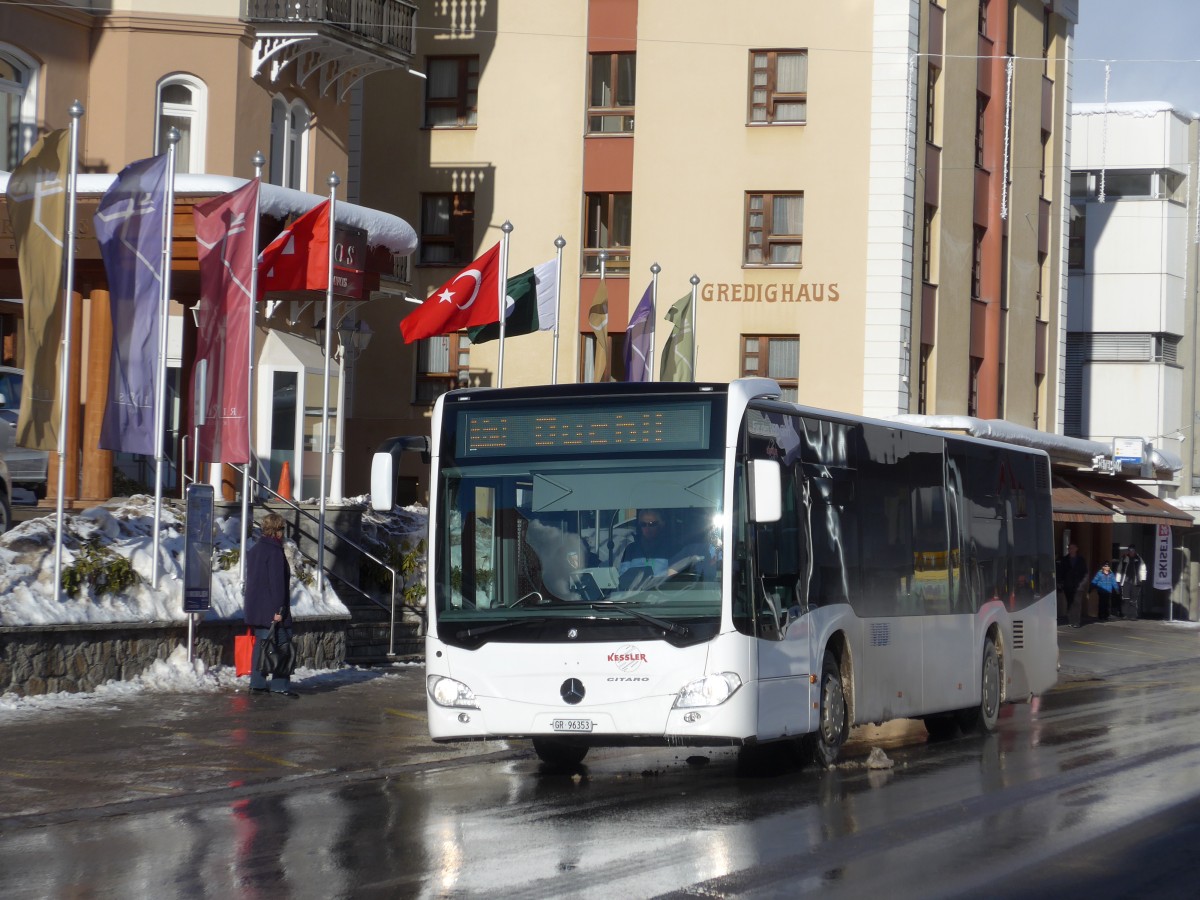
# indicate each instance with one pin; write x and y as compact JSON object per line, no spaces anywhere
{"x":826,"y":570}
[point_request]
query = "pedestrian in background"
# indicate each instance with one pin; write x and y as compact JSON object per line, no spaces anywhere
{"x":1131,"y":572}
{"x":1073,"y":581}
{"x":1107,"y":590}
{"x":267,"y":602}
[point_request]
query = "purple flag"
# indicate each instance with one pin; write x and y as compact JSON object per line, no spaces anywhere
{"x":129,"y":227}
{"x":639,"y":338}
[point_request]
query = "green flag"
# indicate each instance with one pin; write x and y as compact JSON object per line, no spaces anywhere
{"x":521,"y":293}
{"x":598,"y":320}
{"x":677,"y":362}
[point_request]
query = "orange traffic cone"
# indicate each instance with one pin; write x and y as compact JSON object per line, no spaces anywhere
{"x":285,"y":482}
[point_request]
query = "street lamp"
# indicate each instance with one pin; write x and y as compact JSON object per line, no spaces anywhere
{"x":352,"y":341}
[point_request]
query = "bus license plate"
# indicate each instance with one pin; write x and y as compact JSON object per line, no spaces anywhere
{"x":571,"y":724}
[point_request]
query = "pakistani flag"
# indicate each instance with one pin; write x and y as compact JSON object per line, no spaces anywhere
{"x":529,"y":305}
{"x":677,"y":358}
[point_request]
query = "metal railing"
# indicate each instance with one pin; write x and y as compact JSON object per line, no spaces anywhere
{"x":391,"y":23}
{"x":391,"y":608}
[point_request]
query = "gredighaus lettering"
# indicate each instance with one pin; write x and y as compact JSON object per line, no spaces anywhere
{"x":804,"y":292}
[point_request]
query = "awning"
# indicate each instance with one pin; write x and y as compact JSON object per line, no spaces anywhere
{"x":1073,"y":505}
{"x":1130,"y":502}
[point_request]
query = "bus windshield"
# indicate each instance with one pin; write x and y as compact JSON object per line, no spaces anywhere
{"x":612,"y":542}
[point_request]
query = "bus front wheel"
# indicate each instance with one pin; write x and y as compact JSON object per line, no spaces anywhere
{"x":557,"y":753}
{"x":983,"y":718}
{"x":833,"y":724}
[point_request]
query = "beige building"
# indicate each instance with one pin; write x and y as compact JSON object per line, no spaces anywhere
{"x":870,"y":196}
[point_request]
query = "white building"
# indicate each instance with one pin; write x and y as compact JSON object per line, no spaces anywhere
{"x":1132,"y":279}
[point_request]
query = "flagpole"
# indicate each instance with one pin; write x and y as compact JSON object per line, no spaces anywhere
{"x":502,"y":290}
{"x":596,"y":342}
{"x":64,"y":364}
{"x":160,"y":400}
{"x":258,"y":161}
{"x":559,"y":243}
{"x":654,"y":270}
{"x":695,"y":279}
{"x":333,"y":183}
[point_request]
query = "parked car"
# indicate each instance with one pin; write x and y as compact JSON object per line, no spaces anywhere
{"x":26,"y":468}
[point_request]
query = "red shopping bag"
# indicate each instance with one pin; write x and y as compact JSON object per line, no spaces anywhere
{"x":243,"y":652}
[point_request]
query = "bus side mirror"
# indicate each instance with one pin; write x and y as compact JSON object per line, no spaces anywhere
{"x":766,"y":491}
{"x":383,"y":481}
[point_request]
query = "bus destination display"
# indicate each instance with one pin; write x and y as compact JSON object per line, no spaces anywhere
{"x":672,"y":427}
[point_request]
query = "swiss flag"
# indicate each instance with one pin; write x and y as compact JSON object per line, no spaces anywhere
{"x":298,"y":259}
{"x":469,"y":298}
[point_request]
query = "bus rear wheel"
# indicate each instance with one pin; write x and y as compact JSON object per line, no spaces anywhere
{"x":983,"y":718}
{"x":558,"y":753}
{"x":833,"y":723}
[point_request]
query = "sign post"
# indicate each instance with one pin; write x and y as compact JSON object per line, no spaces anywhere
{"x":197,"y":556}
{"x":1162,"y":566}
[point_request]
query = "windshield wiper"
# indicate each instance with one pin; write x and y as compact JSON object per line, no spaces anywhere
{"x":486,"y":629}
{"x":672,"y":627}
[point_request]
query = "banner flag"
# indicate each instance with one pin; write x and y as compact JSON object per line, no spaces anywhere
{"x":677,"y":354}
{"x":129,"y":227}
{"x":469,"y":298}
{"x":225,"y":241}
{"x":639,"y":338}
{"x":37,"y":207}
{"x":297,"y":260}
{"x":598,"y":320}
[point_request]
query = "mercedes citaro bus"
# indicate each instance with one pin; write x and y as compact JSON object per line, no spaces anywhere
{"x":824,"y":570}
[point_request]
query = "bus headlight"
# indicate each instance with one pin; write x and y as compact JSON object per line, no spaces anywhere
{"x":448,"y":692}
{"x":711,"y":690}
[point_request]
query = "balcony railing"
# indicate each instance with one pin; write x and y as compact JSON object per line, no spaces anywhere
{"x":389,"y":23}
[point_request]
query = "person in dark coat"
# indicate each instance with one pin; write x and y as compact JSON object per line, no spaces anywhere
{"x":268,"y":600}
{"x":1073,"y":582}
{"x":1130,"y":575}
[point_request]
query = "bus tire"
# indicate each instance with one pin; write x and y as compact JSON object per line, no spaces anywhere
{"x":982,"y":718}
{"x":558,"y":753}
{"x":833,"y":722}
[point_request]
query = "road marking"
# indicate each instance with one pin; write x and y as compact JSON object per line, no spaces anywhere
{"x":405,"y":715}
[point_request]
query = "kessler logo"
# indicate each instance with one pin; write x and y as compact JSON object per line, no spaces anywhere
{"x":627,"y":658}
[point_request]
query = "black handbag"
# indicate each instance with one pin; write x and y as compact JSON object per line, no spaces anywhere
{"x":277,"y":660}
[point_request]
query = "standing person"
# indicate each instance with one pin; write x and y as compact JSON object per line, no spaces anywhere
{"x":1108,"y":591}
{"x":1130,"y":575}
{"x":268,"y":600}
{"x":1072,"y":581}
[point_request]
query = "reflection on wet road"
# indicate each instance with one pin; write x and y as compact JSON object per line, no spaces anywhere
{"x":1084,"y":788}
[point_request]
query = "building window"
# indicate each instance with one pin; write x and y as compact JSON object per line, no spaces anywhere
{"x":290,"y":126}
{"x":927,"y":244}
{"x":609,"y":220}
{"x":981,"y":103}
{"x":983,"y":17}
{"x":443,"y":363}
{"x":931,"y":117}
{"x":182,"y":101}
{"x":610,"y":93}
{"x":447,"y":229}
{"x":451,"y":91}
{"x":774,"y":229}
{"x":977,"y":264}
{"x":973,"y":387}
{"x":778,"y":86}
{"x":773,"y":356}
{"x":18,"y":106}
{"x":923,"y":379}
{"x":1076,"y":243}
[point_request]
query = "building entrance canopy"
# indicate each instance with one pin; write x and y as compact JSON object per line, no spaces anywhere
{"x":1090,"y":498}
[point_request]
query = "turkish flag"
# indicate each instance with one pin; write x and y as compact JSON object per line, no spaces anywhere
{"x":469,"y":298}
{"x":298,"y":259}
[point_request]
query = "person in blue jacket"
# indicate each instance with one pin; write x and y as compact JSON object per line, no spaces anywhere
{"x":267,"y":600}
{"x":1108,"y":591}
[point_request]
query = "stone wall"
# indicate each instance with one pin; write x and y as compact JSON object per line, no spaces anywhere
{"x":48,"y":659}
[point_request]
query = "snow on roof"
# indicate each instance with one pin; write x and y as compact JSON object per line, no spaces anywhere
{"x":383,"y":229}
{"x":1141,"y":109}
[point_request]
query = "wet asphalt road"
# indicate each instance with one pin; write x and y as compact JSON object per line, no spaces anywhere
{"x":1094,"y":791}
